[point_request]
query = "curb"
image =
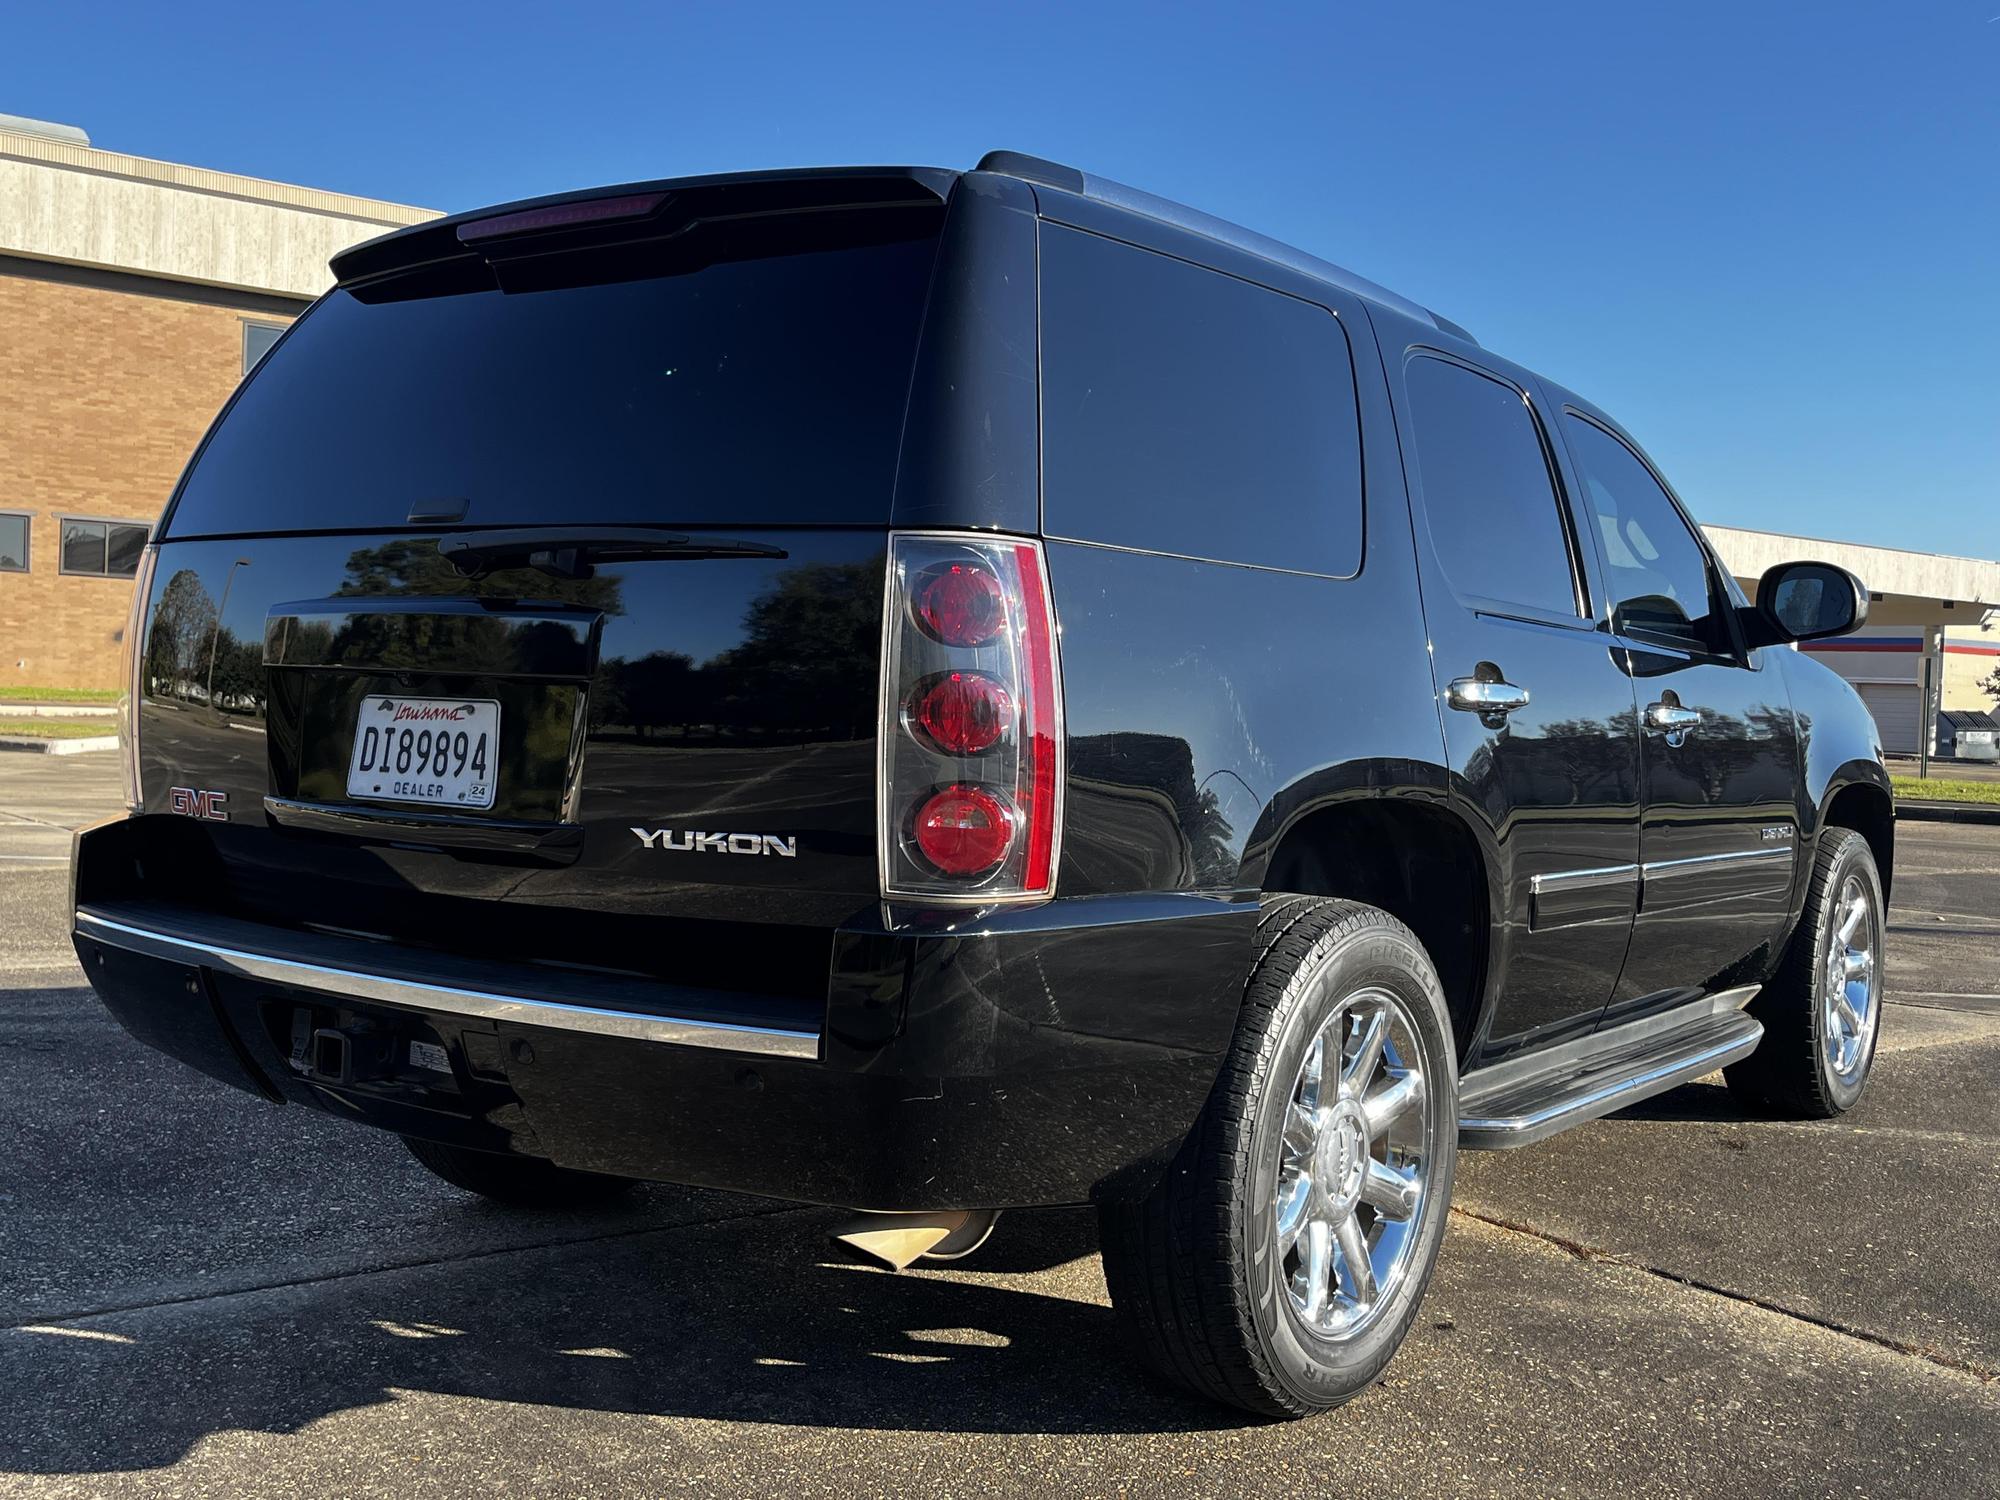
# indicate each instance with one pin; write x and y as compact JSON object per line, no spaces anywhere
{"x":38,"y":746}
{"x":1948,"y":812}
{"x":58,"y":710}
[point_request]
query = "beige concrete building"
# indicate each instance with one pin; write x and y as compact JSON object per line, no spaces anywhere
{"x":1933,"y":631}
{"x":134,"y":294}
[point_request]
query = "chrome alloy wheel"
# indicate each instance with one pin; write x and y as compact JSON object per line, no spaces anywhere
{"x":1352,"y":1165}
{"x":1849,"y":980}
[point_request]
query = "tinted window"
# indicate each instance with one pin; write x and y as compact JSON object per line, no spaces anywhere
{"x":1186,"y":411}
{"x":1655,"y":570}
{"x":257,"y":341}
{"x":665,"y":382}
{"x":1494,"y":514}
{"x":13,"y":544}
{"x":103,"y":549}
{"x":122,"y":548}
{"x":83,"y":546}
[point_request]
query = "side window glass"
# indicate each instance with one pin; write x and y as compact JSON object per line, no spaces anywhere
{"x":1491,"y":502}
{"x":1186,"y":411}
{"x":1657,"y":573}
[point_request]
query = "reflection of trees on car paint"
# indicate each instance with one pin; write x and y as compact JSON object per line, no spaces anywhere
{"x":411,"y":565}
{"x":182,"y":634}
{"x":807,"y":663}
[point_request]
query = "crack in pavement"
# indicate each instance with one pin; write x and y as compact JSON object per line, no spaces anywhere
{"x":1594,"y":1255}
{"x":360,"y":1272}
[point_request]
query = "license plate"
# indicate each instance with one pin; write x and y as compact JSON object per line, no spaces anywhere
{"x":437,"y":751}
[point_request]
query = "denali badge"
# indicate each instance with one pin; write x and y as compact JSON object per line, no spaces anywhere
{"x":194,"y":802}
{"x":681,"y":841}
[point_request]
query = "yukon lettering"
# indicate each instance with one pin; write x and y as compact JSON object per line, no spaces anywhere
{"x":680,"y":841}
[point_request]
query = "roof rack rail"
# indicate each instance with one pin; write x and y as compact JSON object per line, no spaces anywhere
{"x":1103,"y":190}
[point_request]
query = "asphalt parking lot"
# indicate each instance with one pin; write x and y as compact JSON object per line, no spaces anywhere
{"x":201,"y":1294}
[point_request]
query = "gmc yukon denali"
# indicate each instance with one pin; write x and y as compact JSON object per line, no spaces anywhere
{"x":928,"y":692}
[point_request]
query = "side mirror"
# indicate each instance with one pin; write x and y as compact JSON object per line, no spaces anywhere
{"x":1805,"y":601}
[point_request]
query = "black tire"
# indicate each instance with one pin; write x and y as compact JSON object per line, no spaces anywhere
{"x":517,"y":1181}
{"x":1792,"y":1072}
{"x":1196,"y":1269}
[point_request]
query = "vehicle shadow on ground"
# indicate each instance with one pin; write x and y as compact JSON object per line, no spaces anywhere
{"x":748,"y":1320}
{"x":1698,"y":1102}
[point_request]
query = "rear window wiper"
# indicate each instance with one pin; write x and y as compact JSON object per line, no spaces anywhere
{"x":571,"y":551}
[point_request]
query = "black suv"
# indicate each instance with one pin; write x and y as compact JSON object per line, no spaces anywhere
{"x":928,"y":692}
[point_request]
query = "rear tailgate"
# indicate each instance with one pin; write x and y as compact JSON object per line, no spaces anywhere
{"x":680,"y":735}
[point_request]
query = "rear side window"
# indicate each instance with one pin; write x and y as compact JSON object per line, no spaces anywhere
{"x":1656,"y":572}
{"x":681,"y":381}
{"x":1186,"y":411}
{"x":1495,"y":517}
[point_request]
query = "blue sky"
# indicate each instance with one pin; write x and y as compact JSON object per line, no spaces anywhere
{"x":1763,"y":236}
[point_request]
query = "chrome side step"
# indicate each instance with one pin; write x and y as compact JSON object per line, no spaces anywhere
{"x":1528,"y":1099}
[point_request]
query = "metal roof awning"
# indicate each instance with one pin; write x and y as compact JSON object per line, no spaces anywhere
{"x":1905,"y":588}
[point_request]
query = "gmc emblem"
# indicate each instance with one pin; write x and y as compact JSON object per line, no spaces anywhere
{"x":682,"y":841}
{"x":194,"y":802}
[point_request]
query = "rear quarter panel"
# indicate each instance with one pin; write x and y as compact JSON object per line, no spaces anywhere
{"x":1210,"y":705}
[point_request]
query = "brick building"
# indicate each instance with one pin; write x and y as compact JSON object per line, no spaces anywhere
{"x":134,"y":294}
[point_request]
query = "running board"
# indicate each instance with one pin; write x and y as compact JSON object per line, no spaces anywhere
{"x":1528,"y":1099}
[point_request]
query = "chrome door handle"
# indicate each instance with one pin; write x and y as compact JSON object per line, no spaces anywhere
{"x":1673,"y":721}
{"x":1490,"y":700}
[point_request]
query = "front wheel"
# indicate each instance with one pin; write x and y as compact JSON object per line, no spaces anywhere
{"x":1822,"y":1010}
{"x":1280,"y":1260}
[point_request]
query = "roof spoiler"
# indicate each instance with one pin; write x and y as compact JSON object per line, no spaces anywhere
{"x":1054,"y":174}
{"x":652,"y":207}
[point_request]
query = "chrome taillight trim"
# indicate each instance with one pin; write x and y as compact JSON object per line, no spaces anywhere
{"x":134,"y":664}
{"x":889,"y":716}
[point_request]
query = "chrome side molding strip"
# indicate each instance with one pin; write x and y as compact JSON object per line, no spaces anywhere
{"x":1580,"y":880}
{"x":1659,"y":869}
{"x":1666,"y":868}
{"x":680,"y":1031}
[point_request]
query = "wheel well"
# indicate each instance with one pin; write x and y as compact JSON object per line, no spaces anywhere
{"x":1868,"y":811}
{"x":1419,"y":864}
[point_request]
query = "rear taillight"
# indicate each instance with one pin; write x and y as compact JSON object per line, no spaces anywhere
{"x":971,"y":755}
{"x":132,"y":675}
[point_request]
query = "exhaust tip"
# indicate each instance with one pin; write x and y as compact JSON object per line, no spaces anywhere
{"x":896,"y":1241}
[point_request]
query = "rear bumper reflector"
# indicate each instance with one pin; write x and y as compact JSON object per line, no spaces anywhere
{"x":413,"y":994}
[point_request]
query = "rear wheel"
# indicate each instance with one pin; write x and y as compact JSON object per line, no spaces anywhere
{"x":518,"y":1181}
{"x":1822,"y":1010}
{"x":1281,"y":1258}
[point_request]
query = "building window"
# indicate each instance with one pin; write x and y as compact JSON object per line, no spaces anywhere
{"x":102,"y":549}
{"x":13,"y":543}
{"x":257,"y":341}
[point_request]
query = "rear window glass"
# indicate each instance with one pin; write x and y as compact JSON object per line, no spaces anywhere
{"x":1186,"y":411}
{"x":763,"y":389}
